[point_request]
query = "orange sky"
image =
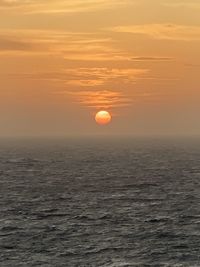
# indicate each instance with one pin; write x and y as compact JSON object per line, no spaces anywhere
{"x":63,"y":60}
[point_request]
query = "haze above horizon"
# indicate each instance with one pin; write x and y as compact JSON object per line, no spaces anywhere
{"x":62,"y":61}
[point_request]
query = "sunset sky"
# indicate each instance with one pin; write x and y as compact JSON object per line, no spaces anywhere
{"x":61,"y":61}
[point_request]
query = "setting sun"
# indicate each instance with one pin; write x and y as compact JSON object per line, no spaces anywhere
{"x":103,"y":117}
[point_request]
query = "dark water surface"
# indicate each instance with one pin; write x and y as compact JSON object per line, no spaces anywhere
{"x":100,"y":203}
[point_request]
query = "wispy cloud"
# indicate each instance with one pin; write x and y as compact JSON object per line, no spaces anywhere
{"x":163,"y":31}
{"x":89,"y":77}
{"x":151,"y":59}
{"x":11,"y":44}
{"x":192,"y":65}
{"x":104,"y":99}
{"x":182,"y":3}
{"x":77,"y":81}
{"x":73,"y":46}
{"x":59,"y":6}
{"x":77,"y":46}
{"x":100,"y":76}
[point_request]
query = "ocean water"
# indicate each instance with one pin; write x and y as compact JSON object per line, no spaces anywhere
{"x":99,"y":202}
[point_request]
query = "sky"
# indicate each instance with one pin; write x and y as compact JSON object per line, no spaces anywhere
{"x":61,"y":61}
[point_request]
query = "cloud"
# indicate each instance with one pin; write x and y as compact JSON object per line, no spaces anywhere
{"x":9,"y":44}
{"x":77,"y":46}
{"x":89,"y":77}
{"x":11,"y":3}
{"x":73,"y":46}
{"x":59,"y":6}
{"x":104,"y":99}
{"x":192,"y":65}
{"x":163,"y":31}
{"x":182,"y":3}
{"x":21,"y":41}
{"x":151,"y":59}
{"x":100,"y":76}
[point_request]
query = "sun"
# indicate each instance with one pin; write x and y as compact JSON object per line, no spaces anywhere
{"x":103,"y":117}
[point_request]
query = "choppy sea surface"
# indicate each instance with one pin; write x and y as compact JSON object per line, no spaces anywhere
{"x":100,"y":202}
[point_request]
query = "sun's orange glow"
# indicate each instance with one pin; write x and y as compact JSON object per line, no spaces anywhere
{"x":143,"y":69}
{"x":103,"y":117}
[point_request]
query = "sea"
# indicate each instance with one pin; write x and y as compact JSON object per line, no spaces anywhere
{"x":100,"y":201}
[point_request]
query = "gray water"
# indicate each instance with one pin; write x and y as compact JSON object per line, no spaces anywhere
{"x":99,"y":203}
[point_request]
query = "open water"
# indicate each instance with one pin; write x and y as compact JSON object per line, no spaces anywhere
{"x":99,"y":202}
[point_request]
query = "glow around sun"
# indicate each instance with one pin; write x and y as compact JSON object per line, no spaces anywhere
{"x":103,"y":117}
